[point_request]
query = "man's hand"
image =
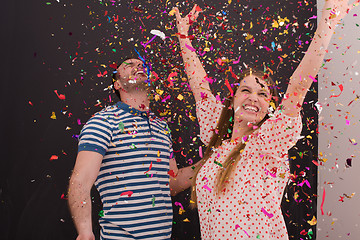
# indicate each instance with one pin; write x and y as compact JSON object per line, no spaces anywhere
{"x":86,"y":236}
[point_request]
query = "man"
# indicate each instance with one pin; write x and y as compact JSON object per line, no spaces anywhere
{"x":127,"y":151}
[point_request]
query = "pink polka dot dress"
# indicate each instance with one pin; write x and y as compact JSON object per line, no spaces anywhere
{"x":250,"y":205}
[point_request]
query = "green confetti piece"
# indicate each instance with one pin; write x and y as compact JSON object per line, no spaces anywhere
{"x":258,"y":236}
{"x":101,"y":213}
{"x":121,"y":127}
{"x":217,"y":163}
{"x":153,"y":201}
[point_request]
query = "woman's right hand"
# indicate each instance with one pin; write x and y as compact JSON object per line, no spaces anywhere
{"x":183,"y":23}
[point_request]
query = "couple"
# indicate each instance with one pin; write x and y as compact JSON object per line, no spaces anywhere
{"x":237,"y":186}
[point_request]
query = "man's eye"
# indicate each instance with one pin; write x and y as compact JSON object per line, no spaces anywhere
{"x":264,"y":94}
{"x":245,"y":90}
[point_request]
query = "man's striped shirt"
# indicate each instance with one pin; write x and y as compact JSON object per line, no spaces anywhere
{"x":133,"y":181}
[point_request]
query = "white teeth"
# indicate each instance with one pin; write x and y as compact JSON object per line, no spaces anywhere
{"x":139,"y":72}
{"x":251,"y":108}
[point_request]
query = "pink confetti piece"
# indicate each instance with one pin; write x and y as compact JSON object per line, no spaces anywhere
{"x":207,"y":187}
{"x":305,"y":182}
{"x":218,"y":98}
{"x":144,"y":45}
{"x":237,"y":226}
{"x":179,"y":204}
{"x":246,"y":233}
{"x":190,"y":48}
{"x":165,"y":99}
{"x":79,"y":122}
{"x":237,"y":61}
{"x":322,"y":203}
{"x":128,"y":193}
{"x":200,"y":152}
{"x":314,"y":79}
{"x":270,"y":215}
{"x":210,"y":80}
{"x":267,"y":172}
{"x":347,"y":122}
{"x":202,"y":53}
{"x":313,"y":17}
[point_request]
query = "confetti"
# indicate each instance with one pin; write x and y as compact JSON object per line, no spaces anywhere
{"x":269,"y":215}
{"x":127,"y":193}
{"x":341,"y":87}
{"x":54,"y":157}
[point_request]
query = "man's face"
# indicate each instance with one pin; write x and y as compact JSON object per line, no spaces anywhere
{"x":132,"y":75}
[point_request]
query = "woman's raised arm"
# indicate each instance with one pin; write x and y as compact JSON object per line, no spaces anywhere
{"x":194,"y":69}
{"x":306,"y":72}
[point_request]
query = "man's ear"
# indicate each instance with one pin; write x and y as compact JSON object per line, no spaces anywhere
{"x":117,"y":85}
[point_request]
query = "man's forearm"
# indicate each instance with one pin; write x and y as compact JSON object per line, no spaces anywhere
{"x":80,"y":206}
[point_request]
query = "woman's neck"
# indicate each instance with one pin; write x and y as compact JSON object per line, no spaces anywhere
{"x":240,"y":130}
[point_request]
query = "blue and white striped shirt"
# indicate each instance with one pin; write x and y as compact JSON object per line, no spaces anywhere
{"x":133,"y":181}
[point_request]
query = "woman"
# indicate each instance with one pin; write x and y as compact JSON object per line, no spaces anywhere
{"x":240,"y":183}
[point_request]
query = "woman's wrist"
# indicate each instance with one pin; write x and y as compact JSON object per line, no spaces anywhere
{"x":180,"y":35}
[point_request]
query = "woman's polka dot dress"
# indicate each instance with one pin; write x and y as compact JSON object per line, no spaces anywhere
{"x":249,"y":208}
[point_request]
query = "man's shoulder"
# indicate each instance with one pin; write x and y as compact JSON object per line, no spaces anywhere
{"x":110,"y":111}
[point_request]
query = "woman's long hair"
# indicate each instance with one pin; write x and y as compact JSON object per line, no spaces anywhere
{"x":224,"y":130}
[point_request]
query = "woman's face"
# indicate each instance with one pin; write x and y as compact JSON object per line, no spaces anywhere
{"x":252,"y":100}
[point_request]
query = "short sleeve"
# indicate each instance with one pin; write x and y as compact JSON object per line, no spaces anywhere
{"x":95,"y":136}
{"x":208,"y":112}
{"x":279,"y":133}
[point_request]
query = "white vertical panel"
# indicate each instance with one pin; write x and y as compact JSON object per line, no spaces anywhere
{"x":339,"y":134}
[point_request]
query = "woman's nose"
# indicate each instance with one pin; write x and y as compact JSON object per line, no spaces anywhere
{"x":253,"y":97}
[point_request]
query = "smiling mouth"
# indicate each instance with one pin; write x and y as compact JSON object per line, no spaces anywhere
{"x":251,"y":108}
{"x":140,"y":72}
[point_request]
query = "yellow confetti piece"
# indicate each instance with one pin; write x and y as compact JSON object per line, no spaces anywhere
{"x":172,"y":12}
{"x":275,"y":24}
{"x":158,"y":91}
{"x":186,"y":220}
{"x":249,"y":36}
{"x":181,"y":211}
{"x":313,"y":221}
{"x":158,"y":153}
{"x":53,"y":116}
{"x":323,"y":159}
{"x":180,"y":97}
{"x":272,"y":104}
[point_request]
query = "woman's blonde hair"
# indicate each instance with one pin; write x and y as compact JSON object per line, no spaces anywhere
{"x":224,"y":131}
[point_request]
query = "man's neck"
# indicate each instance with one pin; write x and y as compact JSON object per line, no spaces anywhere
{"x":138,"y":100}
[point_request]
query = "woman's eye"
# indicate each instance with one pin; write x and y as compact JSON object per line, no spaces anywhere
{"x":245,"y":90}
{"x":264,"y":94}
